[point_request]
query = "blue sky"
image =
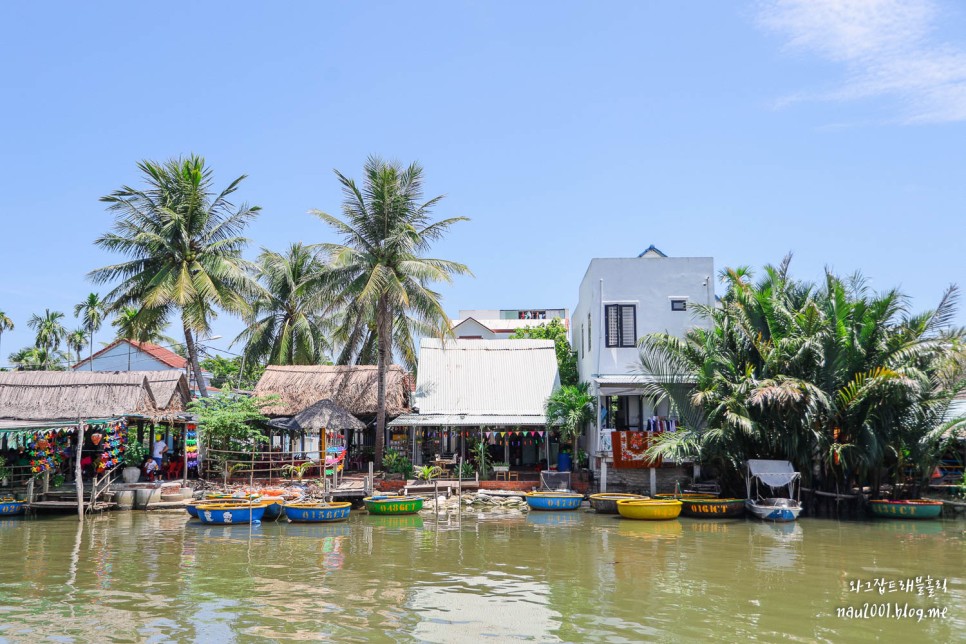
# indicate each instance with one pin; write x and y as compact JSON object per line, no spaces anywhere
{"x":564,"y":130}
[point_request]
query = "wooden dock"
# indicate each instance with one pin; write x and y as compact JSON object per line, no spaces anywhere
{"x":69,"y":506}
{"x":349,"y":488}
{"x":417,"y":487}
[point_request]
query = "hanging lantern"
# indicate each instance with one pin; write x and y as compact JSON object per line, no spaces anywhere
{"x":96,"y":438}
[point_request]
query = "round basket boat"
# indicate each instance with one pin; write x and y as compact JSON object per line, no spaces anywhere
{"x":606,"y":502}
{"x":554,"y":500}
{"x":650,"y":509}
{"x":713,"y":508}
{"x":666,"y":496}
{"x":219,"y":513}
{"x":273,"y":507}
{"x":908,"y":509}
{"x":192,"y":506}
{"x":393,"y":505}
{"x":10,"y":507}
{"x":317,"y":512}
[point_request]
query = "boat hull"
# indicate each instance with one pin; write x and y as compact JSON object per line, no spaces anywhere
{"x":713,"y":508}
{"x":650,"y":509}
{"x":910,"y":509}
{"x":231,"y":514}
{"x":317,"y":512}
{"x":778,"y":510}
{"x":273,"y":508}
{"x":191,"y":507}
{"x":10,"y":507}
{"x":606,"y":503}
{"x":690,"y":496}
{"x":554,"y":501}
{"x":393,"y":505}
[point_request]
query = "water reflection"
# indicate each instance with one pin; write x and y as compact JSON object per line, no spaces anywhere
{"x":569,"y":576}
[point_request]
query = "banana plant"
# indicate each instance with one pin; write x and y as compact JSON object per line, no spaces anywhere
{"x":298,"y":471}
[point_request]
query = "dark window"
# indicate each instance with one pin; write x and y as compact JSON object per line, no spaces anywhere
{"x":589,"y":333}
{"x":621,"y":325}
{"x":679,"y":305}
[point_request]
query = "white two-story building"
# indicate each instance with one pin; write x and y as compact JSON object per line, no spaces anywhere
{"x":621,"y":300}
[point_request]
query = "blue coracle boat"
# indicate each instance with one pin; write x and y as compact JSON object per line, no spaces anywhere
{"x":10,"y":507}
{"x":273,"y":508}
{"x":231,"y":514}
{"x":554,"y":500}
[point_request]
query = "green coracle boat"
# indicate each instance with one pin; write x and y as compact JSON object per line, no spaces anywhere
{"x":393,"y":505}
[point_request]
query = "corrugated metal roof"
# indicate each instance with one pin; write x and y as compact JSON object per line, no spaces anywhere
{"x":488,"y":378}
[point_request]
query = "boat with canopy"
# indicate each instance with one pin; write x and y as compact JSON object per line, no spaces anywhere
{"x":772,"y":475}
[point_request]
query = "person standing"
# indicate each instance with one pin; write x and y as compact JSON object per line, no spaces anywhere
{"x":160,"y":447}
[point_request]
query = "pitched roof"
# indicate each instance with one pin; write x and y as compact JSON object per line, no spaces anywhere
{"x":488,"y":381}
{"x":353,"y":387}
{"x":70,"y":395}
{"x":169,"y":387}
{"x":509,"y":326}
{"x":161,"y":354}
{"x":652,"y":251}
{"x":324,"y":414}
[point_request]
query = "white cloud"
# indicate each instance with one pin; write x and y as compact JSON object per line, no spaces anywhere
{"x":888,"y":49}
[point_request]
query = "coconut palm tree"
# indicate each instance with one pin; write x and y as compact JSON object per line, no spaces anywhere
{"x":37,"y":358}
{"x":6,"y":324}
{"x":49,"y":328}
{"x":91,"y":312}
{"x":183,"y":242}
{"x":286,"y":323}
{"x":75,"y":341}
{"x":380,"y":273}
{"x":570,"y":408}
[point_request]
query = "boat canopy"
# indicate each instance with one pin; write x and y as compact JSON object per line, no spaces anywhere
{"x":772,"y":473}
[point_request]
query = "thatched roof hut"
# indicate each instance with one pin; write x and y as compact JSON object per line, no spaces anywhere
{"x":169,"y":387}
{"x":351,"y":387}
{"x":69,"y":395}
{"x":324,"y":414}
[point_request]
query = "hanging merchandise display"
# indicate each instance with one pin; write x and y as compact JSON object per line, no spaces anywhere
{"x":112,"y":440}
{"x":191,"y":446}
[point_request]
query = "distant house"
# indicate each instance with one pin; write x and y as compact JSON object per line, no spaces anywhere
{"x":621,"y":300}
{"x":500,"y":324}
{"x":468,"y":390}
{"x":131,"y":355}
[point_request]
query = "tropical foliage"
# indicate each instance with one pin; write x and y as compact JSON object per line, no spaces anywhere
{"x":566,"y":356}
{"x":6,"y":324}
{"x":286,"y":323}
{"x":570,"y":408}
{"x":844,"y":382}
{"x":91,"y":313}
{"x":228,"y":372}
{"x":183,"y":246}
{"x":380,"y":274}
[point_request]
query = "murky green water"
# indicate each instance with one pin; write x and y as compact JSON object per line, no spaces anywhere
{"x":545,"y":577}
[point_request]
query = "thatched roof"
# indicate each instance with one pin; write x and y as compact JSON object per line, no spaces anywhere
{"x":69,"y":395}
{"x":169,"y":387}
{"x":324,"y":414}
{"x":352,"y":387}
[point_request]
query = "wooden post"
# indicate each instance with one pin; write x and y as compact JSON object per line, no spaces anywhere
{"x":184,"y":455}
{"x":603,"y":473}
{"x":78,"y":473}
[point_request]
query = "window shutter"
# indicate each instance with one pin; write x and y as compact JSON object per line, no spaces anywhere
{"x":628,"y":326}
{"x":613,"y":325}
{"x":590,"y":334}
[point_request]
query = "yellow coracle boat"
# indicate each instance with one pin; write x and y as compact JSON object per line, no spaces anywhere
{"x":650,"y":509}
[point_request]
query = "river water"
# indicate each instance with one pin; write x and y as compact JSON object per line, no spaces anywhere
{"x":156,"y":577}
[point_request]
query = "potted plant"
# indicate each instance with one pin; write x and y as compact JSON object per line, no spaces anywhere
{"x":298,"y":471}
{"x":428,"y":472}
{"x":134,"y":455}
{"x":501,"y":467}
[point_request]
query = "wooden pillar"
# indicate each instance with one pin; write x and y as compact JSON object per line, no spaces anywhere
{"x":603,"y":474}
{"x":653,"y":473}
{"x":78,"y":473}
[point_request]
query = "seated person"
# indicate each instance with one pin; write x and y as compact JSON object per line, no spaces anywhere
{"x":151,"y":468}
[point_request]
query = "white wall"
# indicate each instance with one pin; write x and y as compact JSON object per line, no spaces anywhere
{"x":472,"y":328}
{"x":116,"y":359}
{"x":648,"y":283}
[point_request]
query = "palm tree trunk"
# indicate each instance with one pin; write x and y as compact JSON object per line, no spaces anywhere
{"x":91,"y":361}
{"x":193,"y":359}
{"x":383,"y":351}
